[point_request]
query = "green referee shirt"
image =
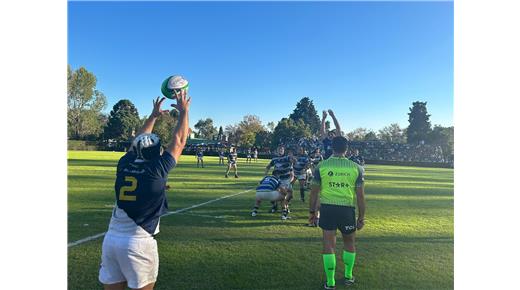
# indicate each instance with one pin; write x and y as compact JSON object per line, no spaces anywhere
{"x":338,"y":178}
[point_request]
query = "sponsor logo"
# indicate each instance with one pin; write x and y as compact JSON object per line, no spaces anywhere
{"x":330,"y":173}
{"x":348,"y":228}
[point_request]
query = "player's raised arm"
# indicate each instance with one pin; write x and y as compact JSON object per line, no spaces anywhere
{"x":181,"y":131}
{"x":336,"y":123}
{"x":156,"y":113}
{"x":322,"y":129}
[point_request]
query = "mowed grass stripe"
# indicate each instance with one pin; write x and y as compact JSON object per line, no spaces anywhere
{"x":407,"y":243}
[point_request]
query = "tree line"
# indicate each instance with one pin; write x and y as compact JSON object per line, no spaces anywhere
{"x":86,"y":121}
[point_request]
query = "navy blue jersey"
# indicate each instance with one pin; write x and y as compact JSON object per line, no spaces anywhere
{"x":358,"y":159}
{"x":301,"y":164}
{"x":283,"y":166}
{"x":221,"y":154}
{"x":327,"y":147}
{"x":140,"y":189}
{"x":268,"y":183}
{"x":232,"y":157}
{"x":200,"y":154}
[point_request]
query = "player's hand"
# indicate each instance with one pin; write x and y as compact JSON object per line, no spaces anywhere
{"x":167,"y":187}
{"x":360,"y":223}
{"x":157,"y":112}
{"x":331,"y":113}
{"x":183,"y":101}
{"x":324,"y":115}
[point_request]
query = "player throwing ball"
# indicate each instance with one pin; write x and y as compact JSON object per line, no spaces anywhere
{"x":269,"y":189}
{"x":129,"y":255}
{"x":232,"y":162}
{"x":339,"y":183}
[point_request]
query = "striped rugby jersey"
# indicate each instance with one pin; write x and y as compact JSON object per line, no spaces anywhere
{"x":302,"y":162}
{"x":283,"y":166}
{"x":268,"y":183}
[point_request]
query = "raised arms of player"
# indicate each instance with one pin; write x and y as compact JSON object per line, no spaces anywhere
{"x":336,"y":123}
{"x":181,"y":131}
{"x":156,"y":113}
{"x":322,"y":129}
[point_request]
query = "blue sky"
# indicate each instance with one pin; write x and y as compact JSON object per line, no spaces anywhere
{"x":368,"y":61}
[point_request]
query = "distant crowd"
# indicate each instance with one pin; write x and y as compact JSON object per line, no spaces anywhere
{"x":370,"y":150}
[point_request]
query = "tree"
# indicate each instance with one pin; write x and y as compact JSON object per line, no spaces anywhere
{"x":205,"y":128}
{"x":306,"y":111}
{"x":271,"y":126}
{"x":220,"y":133}
{"x":357,"y":134}
{"x":84,"y":104}
{"x":233,"y":134}
{"x":287,"y":131}
{"x":264,"y":139}
{"x":370,"y":136}
{"x":123,"y":121}
{"x":164,"y":126}
{"x":419,"y":119}
{"x":444,"y":137}
{"x":392,"y":133}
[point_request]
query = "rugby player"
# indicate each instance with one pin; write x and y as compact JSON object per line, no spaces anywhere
{"x":255,"y":154}
{"x":339,"y":182}
{"x":301,"y":165}
{"x":327,"y":136}
{"x":129,"y":255}
{"x":357,"y":158}
{"x":232,"y":162}
{"x":248,"y":157}
{"x":269,"y":189}
{"x":221,"y":157}
{"x":283,"y":169}
{"x":200,"y":157}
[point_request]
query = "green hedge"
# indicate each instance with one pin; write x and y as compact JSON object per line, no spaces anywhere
{"x":83,"y":145}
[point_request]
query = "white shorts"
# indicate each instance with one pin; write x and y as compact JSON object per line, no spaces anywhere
{"x":302,"y":176}
{"x":134,"y":260}
{"x":286,"y":183}
{"x":199,"y":158}
{"x":309,"y":172}
{"x":269,"y":195}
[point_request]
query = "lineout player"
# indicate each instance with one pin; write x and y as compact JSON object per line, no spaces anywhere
{"x":129,"y":255}
{"x":270,"y":189}
{"x":327,"y":136}
{"x":303,"y":162}
{"x":283,"y":169}
{"x":200,"y":157}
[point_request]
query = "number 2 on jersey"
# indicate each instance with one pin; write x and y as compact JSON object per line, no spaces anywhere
{"x":124,"y":189}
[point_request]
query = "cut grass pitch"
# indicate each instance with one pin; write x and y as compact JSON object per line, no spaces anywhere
{"x":407,"y":242}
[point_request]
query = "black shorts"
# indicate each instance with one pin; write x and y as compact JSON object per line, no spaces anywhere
{"x":334,"y":217}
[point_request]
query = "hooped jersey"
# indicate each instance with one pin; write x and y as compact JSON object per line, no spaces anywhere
{"x":316,"y":158}
{"x":327,"y":147}
{"x":232,"y":157}
{"x":268,"y":183}
{"x":301,"y":164}
{"x":140,"y":195}
{"x":338,"y":178}
{"x":283,"y":166}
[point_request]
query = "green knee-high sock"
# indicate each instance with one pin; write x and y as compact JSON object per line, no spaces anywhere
{"x":329,"y":264}
{"x":348,"y":259}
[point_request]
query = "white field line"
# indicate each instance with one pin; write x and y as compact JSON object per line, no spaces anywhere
{"x":87,"y":239}
{"x":203,"y":215}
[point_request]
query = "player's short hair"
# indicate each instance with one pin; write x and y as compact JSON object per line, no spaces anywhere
{"x":147,"y":147}
{"x":339,"y":144}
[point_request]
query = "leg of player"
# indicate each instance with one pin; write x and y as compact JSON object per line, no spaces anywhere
{"x":302,"y":189}
{"x":329,"y":258}
{"x":116,"y":286}
{"x":254,"y":212}
{"x":227,"y":171}
{"x":236,"y":171}
{"x":202,"y":162}
{"x":349,"y":256}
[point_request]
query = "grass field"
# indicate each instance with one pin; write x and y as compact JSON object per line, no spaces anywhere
{"x":407,"y":242}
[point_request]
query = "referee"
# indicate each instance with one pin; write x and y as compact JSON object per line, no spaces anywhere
{"x":339,"y":183}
